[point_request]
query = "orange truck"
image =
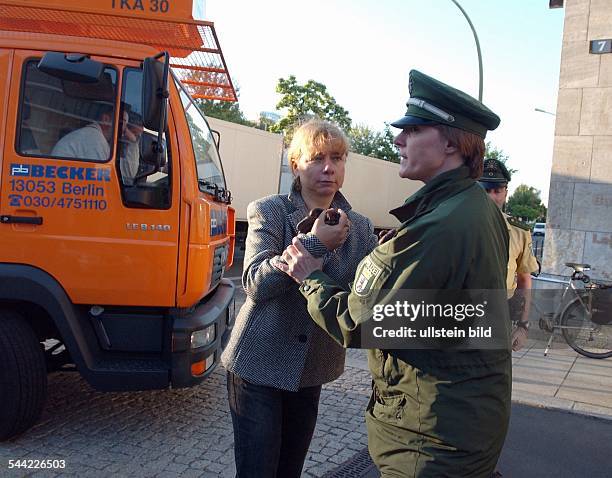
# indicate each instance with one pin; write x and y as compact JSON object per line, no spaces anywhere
{"x":115,"y":218}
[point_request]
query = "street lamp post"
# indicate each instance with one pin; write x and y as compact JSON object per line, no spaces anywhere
{"x":477,"y":48}
{"x":544,"y":111}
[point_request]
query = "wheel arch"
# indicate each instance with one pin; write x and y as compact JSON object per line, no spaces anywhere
{"x":31,"y":291}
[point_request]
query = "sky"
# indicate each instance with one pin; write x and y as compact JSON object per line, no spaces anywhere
{"x":363,"y":50}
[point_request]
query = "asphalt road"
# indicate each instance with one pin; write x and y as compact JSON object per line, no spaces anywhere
{"x":546,"y":443}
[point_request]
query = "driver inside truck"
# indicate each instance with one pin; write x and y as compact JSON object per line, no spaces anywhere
{"x":92,"y":141}
{"x":129,"y":144}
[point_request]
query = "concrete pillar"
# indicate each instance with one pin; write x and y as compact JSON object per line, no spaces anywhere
{"x":579,"y":222}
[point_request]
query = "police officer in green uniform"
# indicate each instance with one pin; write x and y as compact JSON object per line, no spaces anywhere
{"x":432,"y":413}
{"x":521,"y":261}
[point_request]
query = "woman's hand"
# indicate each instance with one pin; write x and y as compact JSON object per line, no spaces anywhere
{"x":386,"y":235}
{"x":332,"y":236}
{"x":299,"y":263}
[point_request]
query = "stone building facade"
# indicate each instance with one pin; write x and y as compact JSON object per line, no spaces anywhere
{"x":579,"y":223}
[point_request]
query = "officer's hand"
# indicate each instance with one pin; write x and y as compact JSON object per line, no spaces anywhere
{"x":332,"y":236}
{"x":129,"y":136}
{"x":299,"y":263}
{"x":384,"y":236}
{"x":519,"y":338}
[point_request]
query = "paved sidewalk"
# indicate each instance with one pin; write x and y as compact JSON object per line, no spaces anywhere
{"x":564,"y":380}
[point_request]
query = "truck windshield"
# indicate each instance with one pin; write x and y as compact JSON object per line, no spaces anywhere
{"x":210,"y":171}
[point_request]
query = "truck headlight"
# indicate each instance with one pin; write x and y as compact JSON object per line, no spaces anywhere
{"x":204,"y":337}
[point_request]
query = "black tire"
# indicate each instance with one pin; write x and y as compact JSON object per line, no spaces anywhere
{"x":23,"y":375}
{"x":584,"y":336}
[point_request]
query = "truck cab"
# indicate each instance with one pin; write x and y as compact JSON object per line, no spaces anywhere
{"x":115,"y":217}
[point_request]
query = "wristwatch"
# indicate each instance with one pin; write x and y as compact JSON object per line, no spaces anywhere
{"x":524,"y":325}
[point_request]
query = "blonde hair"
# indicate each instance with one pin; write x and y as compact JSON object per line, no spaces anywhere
{"x":314,"y":136}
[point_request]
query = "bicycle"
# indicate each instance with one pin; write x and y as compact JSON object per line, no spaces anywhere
{"x":585,"y":320}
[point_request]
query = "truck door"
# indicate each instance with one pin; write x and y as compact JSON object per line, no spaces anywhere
{"x":80,"y":204}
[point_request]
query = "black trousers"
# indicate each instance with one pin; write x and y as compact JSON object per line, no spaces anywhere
{"x":272,"y":428}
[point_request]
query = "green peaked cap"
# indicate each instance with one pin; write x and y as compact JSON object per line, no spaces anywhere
{"x":495,"y":172}
{"x":434,"y":102}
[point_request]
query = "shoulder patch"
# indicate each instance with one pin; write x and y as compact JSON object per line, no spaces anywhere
{"x":366,"y":276}
{"x":521,"y":225}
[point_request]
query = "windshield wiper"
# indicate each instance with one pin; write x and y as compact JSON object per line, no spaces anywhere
{"x":220,"y":193}
{"x":208,"y":184}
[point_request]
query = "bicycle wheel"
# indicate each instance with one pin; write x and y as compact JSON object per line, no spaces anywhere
{"x":584,"y":336}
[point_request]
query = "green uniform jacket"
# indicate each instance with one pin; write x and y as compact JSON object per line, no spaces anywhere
{"x":432,"y":412}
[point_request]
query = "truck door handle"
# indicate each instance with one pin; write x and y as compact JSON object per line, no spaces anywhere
{"x":21,"y":220}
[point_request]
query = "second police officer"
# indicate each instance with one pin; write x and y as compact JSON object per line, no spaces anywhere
{"x":521,"y":261}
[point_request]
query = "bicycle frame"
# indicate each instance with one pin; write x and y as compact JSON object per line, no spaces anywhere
{"x":562,"y":305}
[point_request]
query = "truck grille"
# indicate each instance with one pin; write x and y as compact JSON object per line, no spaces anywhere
{"x":219,"y":261}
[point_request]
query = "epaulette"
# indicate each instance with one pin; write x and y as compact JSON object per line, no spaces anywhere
{"x":518,"y":223}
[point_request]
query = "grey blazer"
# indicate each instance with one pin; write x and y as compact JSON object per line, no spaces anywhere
{"x":274,"y":341}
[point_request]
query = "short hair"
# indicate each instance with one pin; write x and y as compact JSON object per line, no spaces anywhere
{"x":125,"y":106}
{"x":471,"y":147}
{"x":135,"y":118}
{"x":101,"y":109}
{"x":313,"y":136}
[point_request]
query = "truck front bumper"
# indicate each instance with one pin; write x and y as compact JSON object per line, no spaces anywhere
{"x":216,"y":312}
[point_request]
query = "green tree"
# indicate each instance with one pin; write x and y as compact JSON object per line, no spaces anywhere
{"x":305,"y":101}
{"x":363,"y":140}
{"x":224,"y":110}
{"x":388,"y":150}
{"x":265,"y":123}
{"x":372,"y":143}
{"x":525,"y":203}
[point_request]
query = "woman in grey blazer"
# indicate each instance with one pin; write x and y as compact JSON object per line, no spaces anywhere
{"x":277,"y":358}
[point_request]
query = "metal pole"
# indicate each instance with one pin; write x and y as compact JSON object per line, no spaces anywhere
{"x":477,"y":48}
{"x":544,"y":111}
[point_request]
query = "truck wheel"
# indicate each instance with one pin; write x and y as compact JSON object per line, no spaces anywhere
{"x":23,"y":375}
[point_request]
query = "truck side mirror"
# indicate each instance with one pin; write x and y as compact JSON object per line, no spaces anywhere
{"x":155,"y":105}
{"x":154,"y":93}
{"x":152,"y":151}
{"x":71,"y":66}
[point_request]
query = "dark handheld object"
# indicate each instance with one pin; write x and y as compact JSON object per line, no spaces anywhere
{"x":305,"y":225}
{"x":332,"y":218}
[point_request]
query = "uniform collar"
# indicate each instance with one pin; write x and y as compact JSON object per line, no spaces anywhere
{"x":506,"y":220}
{"x":436,"y":191}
